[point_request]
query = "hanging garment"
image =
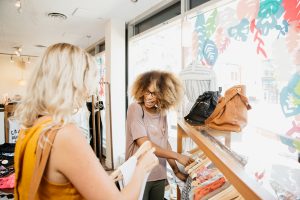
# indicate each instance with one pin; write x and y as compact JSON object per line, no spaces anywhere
{"x":14,"y":129}
{"x":127,"y":170}
{"x":81,"y":118}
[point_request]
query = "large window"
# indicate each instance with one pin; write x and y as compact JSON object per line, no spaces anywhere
{"x":160,"y":49}
{"x":256,"y":43}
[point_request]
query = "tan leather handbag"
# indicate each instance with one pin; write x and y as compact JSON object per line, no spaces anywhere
{"x":230,"y":113}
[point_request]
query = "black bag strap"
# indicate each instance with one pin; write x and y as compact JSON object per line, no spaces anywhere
{"x":143,"y":111}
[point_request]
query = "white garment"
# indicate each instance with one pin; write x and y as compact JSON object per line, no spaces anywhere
{"x":14,"y":129}
{"x":127,"y":170}
{"x":81,"y":119}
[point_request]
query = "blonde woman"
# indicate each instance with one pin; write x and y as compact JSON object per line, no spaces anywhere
{"x":59,"y":86}
{"x":155,"y":92}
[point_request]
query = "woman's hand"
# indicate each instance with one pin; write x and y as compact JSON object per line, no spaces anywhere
{"x":181,"y":176}
{"x":184,"y":160}
{"x":148,"y":160}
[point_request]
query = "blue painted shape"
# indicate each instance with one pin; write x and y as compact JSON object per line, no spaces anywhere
{"x":210,"y":52}
{"x":266,"y":24}
{"x":240,"y":31}
{"x":287,"y":95}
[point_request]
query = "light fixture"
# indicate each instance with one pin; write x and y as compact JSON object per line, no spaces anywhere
{"x":28,"y":60}
{"x":18,"y":4}
{"x":57,"y":16}
{"x":11,"y":59}
{"x":18,"y":51}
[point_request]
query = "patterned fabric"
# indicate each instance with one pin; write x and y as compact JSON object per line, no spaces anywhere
{"x":186,"y":189}
{"x":196,"y":80}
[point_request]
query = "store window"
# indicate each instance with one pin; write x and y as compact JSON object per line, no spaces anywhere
{"x":255,"y":43}
{"x":195,"y":3}
{"x":159,"y":49}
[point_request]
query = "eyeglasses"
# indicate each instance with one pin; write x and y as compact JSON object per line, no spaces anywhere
{"x":153,"y":94}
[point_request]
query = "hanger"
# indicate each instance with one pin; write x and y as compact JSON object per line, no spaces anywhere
{"x":146,"y":146}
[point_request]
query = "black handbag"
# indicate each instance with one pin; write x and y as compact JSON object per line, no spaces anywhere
{"x":203,"y":107}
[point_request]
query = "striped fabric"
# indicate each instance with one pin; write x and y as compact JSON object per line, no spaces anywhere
{"x":196,"y":79}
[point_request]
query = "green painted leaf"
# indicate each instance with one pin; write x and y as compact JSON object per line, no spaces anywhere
{"x":211,"y":23}
{"x":268,"y":8}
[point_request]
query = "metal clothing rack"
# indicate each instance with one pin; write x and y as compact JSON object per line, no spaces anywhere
{"x":97,"y":139}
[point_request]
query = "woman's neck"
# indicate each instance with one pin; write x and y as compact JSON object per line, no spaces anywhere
{"x":152,"y":110}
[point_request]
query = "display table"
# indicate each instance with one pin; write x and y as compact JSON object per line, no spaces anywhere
{"x":254,"y":164}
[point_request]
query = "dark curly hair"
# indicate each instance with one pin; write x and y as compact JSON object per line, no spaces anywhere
{"x":168,"y":88}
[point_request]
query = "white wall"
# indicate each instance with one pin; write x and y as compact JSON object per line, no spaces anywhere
{"x":115,"y":73}
{"x":11,"y":73}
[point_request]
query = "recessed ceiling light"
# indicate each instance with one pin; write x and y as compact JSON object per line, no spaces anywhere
{"x":134,"y":1}
{"x":40,"y":46}
{"x":58,"y":16}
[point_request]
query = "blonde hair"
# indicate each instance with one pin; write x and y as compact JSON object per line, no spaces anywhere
{"x":60,"y":84}
{"x":168,"y":88}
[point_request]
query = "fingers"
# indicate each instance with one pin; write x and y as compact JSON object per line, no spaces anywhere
{"x":149,"y":160}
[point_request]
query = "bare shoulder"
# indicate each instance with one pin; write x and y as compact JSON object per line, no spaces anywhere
{"x":69,"y":135}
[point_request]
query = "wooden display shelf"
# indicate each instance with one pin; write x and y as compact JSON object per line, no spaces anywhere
{"x":231,"y":169}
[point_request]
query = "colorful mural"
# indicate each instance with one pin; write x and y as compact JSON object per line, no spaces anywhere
{"x":250,"y":19}
{"x":267,"y":29}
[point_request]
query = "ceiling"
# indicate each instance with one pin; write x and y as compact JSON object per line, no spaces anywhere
{"x":32,"y":26}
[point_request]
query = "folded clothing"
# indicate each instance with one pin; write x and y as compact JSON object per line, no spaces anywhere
{"x":202,"y":191}
{"x":7,"y":182}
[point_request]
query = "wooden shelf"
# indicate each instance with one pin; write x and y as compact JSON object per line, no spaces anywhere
{"x":231,"y":169}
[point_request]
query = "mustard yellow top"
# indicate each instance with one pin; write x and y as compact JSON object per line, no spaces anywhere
{"x":24,"y":164}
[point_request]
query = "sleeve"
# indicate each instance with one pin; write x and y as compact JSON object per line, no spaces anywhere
{"x":135,"y":122}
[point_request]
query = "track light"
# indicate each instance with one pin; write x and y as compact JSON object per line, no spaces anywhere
{"x":11,"y":59}
{"x":18,"y":51}
{"x":18,"y":4}
{"x":28,"y":60}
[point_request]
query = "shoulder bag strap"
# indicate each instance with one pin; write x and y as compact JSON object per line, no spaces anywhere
{"x":143,"y":111}
{"x":42,"y":155}
{"x":221,"y":105}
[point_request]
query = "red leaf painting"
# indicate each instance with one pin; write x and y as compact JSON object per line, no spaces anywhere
{"x":247,"y":9}
{"x":221,"y":40}
{"x":292,"y":11}
{"x":257,"y":38}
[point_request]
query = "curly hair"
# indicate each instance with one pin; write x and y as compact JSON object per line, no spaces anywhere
{"x":168,"y":88}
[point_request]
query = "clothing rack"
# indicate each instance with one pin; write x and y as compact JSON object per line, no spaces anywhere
{"x":97,"y":144}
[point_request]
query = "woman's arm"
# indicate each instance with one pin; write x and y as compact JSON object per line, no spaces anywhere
{"x":166,"y":153}
{"x":175,"y":169}
{"x":72,"y":157}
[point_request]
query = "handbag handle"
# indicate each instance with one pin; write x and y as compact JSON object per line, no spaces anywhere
{"x":42,"y":156}
{"x":220,"y":106}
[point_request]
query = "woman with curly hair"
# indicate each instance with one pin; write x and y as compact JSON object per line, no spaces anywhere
{"x":155,"y":92}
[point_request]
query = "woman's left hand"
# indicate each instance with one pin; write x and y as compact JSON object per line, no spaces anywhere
{"x":184,"y":160}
